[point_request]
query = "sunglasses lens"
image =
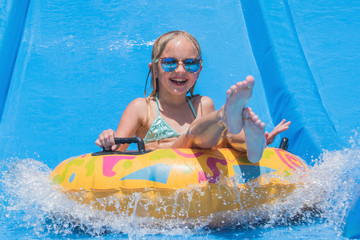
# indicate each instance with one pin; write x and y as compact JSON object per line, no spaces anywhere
{"x":192,"y":65}
{"x":169,"y":64}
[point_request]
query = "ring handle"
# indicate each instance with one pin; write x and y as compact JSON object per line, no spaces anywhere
{"x":139,"y":142}
{"x":284,"y":143}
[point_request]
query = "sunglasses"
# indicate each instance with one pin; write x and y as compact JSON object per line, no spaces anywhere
{"x":170,"y":64}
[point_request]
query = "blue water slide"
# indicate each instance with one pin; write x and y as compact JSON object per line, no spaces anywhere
{"x":68,"y":69}
{"x":79,"y":65}
{"x":291,"y":90}
{"x":12,"y":20}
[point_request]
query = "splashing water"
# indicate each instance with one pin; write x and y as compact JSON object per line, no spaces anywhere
{"x":29,"y":197}
{"x":30,"y":201}
{"x":337,"y":178}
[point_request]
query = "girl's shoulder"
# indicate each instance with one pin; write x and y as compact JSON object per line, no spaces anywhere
{"x":138,"y":103}
{"x":137,"y":106}
{"x":203,"y":100}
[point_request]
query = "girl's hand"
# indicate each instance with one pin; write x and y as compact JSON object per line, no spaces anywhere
{"x":282,"y":126}
{"x":106,"y":140}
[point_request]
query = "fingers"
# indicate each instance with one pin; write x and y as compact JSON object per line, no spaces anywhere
{"x":266,"y":134}
{"x":106,"y":139}
{"x":97,"y":142}
{"x":268,"y":140}
{"x":284,"y":123}
{"x":114,"y":147}
{"x":281,"y":127}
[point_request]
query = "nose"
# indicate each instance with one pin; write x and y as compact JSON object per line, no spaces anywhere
{"x":180,"y":67}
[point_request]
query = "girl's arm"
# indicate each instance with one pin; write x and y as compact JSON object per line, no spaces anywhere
{"x":131,"y":120}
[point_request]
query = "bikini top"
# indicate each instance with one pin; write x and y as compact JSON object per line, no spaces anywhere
{"x":160,"y":129}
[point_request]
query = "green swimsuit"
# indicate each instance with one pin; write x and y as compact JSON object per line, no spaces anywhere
{"x":160,"y":129}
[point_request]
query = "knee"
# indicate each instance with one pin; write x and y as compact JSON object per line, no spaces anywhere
{"x":206,"y":139}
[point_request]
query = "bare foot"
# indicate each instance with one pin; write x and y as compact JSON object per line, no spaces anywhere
{"x":254,"y":135}
{"x":237,"y":97}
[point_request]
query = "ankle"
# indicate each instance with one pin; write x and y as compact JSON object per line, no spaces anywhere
{"x":222,"y":117}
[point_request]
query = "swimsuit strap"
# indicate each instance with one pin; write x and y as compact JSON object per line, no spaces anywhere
{"x":191,"y":106}
{"x":188,"y":100}
{"x":157,"y":103}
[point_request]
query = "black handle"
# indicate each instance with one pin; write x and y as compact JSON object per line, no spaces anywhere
{"x":284,"y":143}
{"x":139,"y":141}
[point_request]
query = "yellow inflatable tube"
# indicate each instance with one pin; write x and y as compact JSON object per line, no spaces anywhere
{"x":179,"y":183}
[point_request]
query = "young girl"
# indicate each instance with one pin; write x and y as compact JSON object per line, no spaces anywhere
{"x":168,"y":118}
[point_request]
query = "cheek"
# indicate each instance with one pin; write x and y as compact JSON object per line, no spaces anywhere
{"x":194,"y":79}
{"x":162,"y":75}
{"x":196,"y":76}
{"x":162,"y":79}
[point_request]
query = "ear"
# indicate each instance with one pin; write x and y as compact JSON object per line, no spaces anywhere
{"x":149,"y":66}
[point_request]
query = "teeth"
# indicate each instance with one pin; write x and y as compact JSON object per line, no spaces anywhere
{"x":179,"y":80}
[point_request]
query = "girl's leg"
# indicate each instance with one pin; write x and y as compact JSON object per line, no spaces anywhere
{"x":205,"y":132}
{"x":237,"y":97}
{"x":254,"y":135}
{"x":251,"y":139}
{"x":236,"y":141}
{"x":209,"y":131}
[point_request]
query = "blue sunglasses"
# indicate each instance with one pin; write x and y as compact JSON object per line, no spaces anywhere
{"x":170,"y":64}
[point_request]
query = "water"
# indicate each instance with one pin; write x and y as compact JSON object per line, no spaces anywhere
{"x":32,"y":208}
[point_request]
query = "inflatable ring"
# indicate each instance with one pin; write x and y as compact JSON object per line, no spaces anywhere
{"x":179,"y":183}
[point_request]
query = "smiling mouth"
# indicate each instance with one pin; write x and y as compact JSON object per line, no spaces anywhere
{"x":179,"y":82}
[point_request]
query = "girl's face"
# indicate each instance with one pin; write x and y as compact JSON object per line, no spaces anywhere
{"x":179,"y":81}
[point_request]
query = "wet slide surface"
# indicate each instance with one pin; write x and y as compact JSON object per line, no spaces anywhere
{"x":79,"y":64}
{"x":69,"y":69}
{"x":328,"y":33}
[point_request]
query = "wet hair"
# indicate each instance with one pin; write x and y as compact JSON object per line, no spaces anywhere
{"x":157,"y":50}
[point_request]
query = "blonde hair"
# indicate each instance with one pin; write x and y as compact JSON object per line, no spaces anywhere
{"x":157,"y":50}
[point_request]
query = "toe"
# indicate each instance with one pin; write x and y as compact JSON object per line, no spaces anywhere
{"x":228,"y":92}
{"x":255,"y":118}
{"x":241,"y":84}
{"x":233,"y":88}
{"x":250,"y":81}
{"x":257,"y":122}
